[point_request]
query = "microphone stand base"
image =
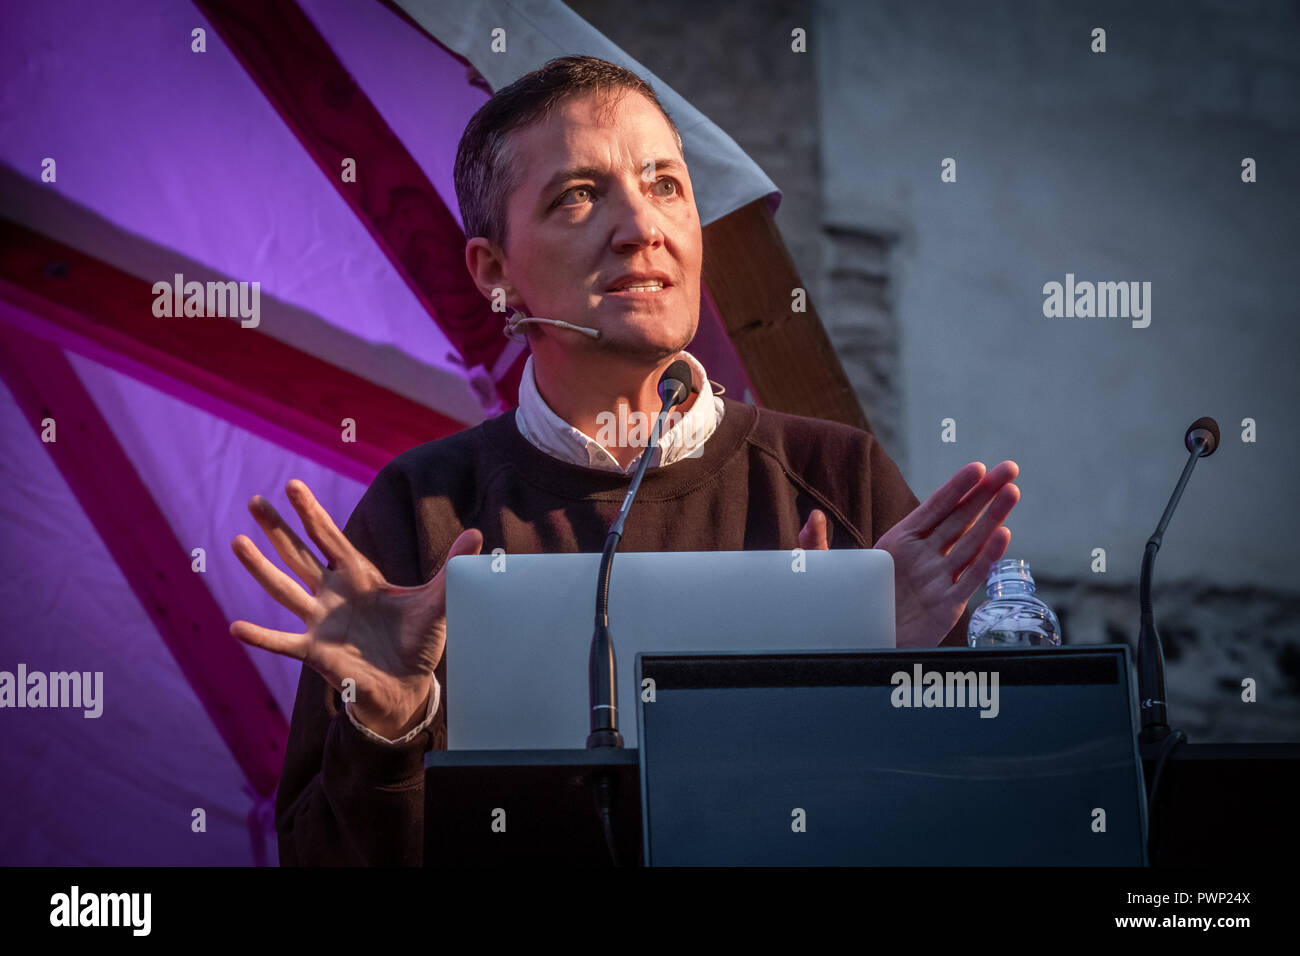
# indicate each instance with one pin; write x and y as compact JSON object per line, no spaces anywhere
{"x":604,"y":738}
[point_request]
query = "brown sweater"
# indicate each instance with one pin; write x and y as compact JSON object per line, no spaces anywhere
{"x":344,"y":799}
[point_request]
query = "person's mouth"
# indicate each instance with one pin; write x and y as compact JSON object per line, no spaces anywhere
{"x":640,"y":284}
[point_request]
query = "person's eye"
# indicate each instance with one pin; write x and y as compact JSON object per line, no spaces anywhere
{"x":668,"y":180}
{"x":587,"y":192}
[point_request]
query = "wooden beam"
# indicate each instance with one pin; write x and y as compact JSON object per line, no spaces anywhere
{"x":244,"y":375}
{"x":333,"y":119}
{"x":713,"y":347}
{"x":789,"y":358}
{"x":147,"y":552}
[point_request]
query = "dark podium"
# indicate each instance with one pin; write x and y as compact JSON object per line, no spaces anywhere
{"x":1218,"y":804}
{"x":1224,"y":805}
{"x":547,"y":796}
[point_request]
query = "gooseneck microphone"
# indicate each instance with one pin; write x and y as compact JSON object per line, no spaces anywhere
{"x":1201,"y":439}
{"x":674,"y":387}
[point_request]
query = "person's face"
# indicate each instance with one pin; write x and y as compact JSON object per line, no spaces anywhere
{"x":599,"y":197}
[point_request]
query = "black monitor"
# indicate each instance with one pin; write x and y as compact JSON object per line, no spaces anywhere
{"x":945,"y":756}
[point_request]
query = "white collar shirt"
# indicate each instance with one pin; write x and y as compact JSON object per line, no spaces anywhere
{"x":547,"y":431}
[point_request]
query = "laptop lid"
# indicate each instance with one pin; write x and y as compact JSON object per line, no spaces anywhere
{"x":1024,"y":757}
{"x":519,"y":627}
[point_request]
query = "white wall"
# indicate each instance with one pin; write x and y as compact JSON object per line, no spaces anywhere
{"x":1116,"y":166}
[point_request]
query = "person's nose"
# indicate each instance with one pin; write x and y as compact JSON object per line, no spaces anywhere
{"x":638,"y":223}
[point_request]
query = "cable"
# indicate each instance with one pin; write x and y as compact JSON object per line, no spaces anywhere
{"x":605,"y":804}
{"x":1167,"y":749}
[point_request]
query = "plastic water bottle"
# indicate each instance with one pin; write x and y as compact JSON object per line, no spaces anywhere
{"x":1012,"y":616}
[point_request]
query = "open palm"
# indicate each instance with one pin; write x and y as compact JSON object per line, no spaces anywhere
{"x":942,"y":550}
{"x":385,"y":638}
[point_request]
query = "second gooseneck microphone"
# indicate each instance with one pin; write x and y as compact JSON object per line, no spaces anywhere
{"x":1201,"y":439}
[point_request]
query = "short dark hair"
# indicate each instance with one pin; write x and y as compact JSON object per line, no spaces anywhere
{"x":485,"y":175}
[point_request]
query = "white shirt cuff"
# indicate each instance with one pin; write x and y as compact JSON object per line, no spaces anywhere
{"x":435,"y":697}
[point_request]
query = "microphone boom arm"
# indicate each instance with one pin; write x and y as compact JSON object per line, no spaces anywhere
{"x":1151,"y":655}
{"x":602,"y":673}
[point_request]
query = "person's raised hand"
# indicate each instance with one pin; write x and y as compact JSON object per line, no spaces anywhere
{"x":944,"y":549}
{"x":387,"y":639}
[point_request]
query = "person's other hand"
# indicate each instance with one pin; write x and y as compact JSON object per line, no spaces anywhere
{"x":387,"y":639}
{"x":944,"y":549}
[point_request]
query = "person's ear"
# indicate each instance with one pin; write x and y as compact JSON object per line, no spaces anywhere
{"x":487,"y":268}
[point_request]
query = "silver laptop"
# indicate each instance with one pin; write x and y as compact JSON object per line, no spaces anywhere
{"x":519,"y":627}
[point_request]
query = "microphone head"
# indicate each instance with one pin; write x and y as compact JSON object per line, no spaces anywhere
{"x":1207,"y":429}
{"x":675,"y":383}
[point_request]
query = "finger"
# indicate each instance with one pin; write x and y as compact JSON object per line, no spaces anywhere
{"x":808,"y":533}
{"x":275,"y":582}
{"x":972,"y":540}
{"x":287,"y":544}
{"x":277,"y":642}
{"x":320,"y":527}
{"x":926,"y":517}
{"x":469,"y":541}
{"x":814,"y":536}
{"x":978,"y":572}
{"x":968,"y":509}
